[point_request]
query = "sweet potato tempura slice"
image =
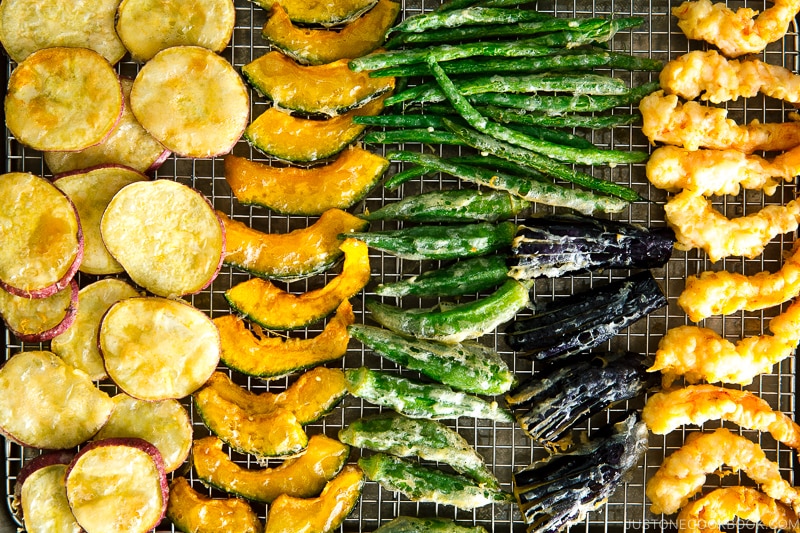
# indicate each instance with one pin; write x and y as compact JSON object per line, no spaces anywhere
{"x":683,"y":473}
{"x":697,"y":404}
{"x":693,"y":125}
{"x":735,"y":32}
{"x":711,"y":76}
{"x":723,"y":293}
{"x":699,"y":354}
{"x":698,"y":225}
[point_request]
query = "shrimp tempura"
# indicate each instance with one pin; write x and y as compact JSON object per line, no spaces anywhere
{"x":735,"y":33}
{"x":719,"y":172}
{"x":710,"y":76}
{"x":683,"y":473}
{"x":696,"y":404}
{"x":707,"y":514}
{"x":700,"y":354}
{"x":723,"y":293}
{"x":698,"y":225}
{"x":693,"y":125}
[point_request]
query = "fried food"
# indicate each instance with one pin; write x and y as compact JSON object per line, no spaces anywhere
{"x":693,"y":125}
{"x":698,"y":225}
{"x":739,"y":32}
{"x":700,"y":354}
{"x":723,"y":293}
{"x":683,"y":473}
{"x":696,"y":404}
{"x":719,"y":172}
{"x":711,"y":76}
{"x":723,"y":505}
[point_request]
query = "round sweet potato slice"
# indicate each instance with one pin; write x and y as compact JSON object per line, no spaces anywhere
{"x":165,"y":424}
{"x":45,"y":403}
{"x":128,"y":144}
{"x":41,"y":490}
{"x":77,"y":345}
{"x":91,"y":190}
{"x":41,"y":235}
{"x":40,"y":319}
{"x":63,"y":99}
{"x":157,"y":348}
{"x":117,"y":485}
{"x":30,"y":25}
{"x":192,"y":101}
{"x":165,"y":235}
{"x":149,"y":26}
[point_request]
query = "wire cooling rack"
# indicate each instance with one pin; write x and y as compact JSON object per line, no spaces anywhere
{"x":504,"y":446}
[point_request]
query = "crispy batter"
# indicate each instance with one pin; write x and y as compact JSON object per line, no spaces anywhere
{"x":711,"y":76}
{"x":702,"y":354}
{"x":693,"y":125}
{"x":683,"y":473}
{"x":696,"y":404}
{"x":723,"y":293}
{"x":735,"y":33}
{"x":723,"y":505}
{"x":698,"y":225}
{"x":719,"y":172}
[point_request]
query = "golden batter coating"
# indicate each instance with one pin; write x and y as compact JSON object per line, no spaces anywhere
{"x":719,"y":172}
{"x":710,"y":76}
{"x":683,"y":473}
{"x":722,"y":293}
{"x":698,"y":354}
{"x":698,"y":225}
{"x":693,"y":125}
{"x":697,"y":404}
{"x":723,"y":505}
{"x":738,"y":32}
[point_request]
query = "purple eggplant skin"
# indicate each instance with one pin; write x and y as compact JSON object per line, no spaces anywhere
{"x":559,"y":490}
{"x":557,"y":245}
{"x":549,"y":405}
{"x":562,"y":328}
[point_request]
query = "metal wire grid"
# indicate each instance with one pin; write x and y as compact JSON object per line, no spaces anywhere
{"x":505,"y":447}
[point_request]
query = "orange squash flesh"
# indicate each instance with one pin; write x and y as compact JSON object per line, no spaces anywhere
{"x":303,"y":140}
{"x":330,"y":89}
{"x":309,"y":398}
{"x":302,"y":191}
{"x":273,"y":308}
{"x":303,"y":477}
{"x":315,"y":47}
{"x":298,"y":254}
{"x":274,"y":357}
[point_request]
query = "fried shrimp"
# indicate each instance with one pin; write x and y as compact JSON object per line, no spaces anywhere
{"x":723,"y":293}
{"x":719,"y":172}
{"x":719,"y":506}
{"x":700,"y":354}
{"x":744,"y":31}
{"x":698,"y":225}
{"x":696,"y":404}
{"x":683,"y":473}
{"x":711,"y":76}
{"x":693,"y":125}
